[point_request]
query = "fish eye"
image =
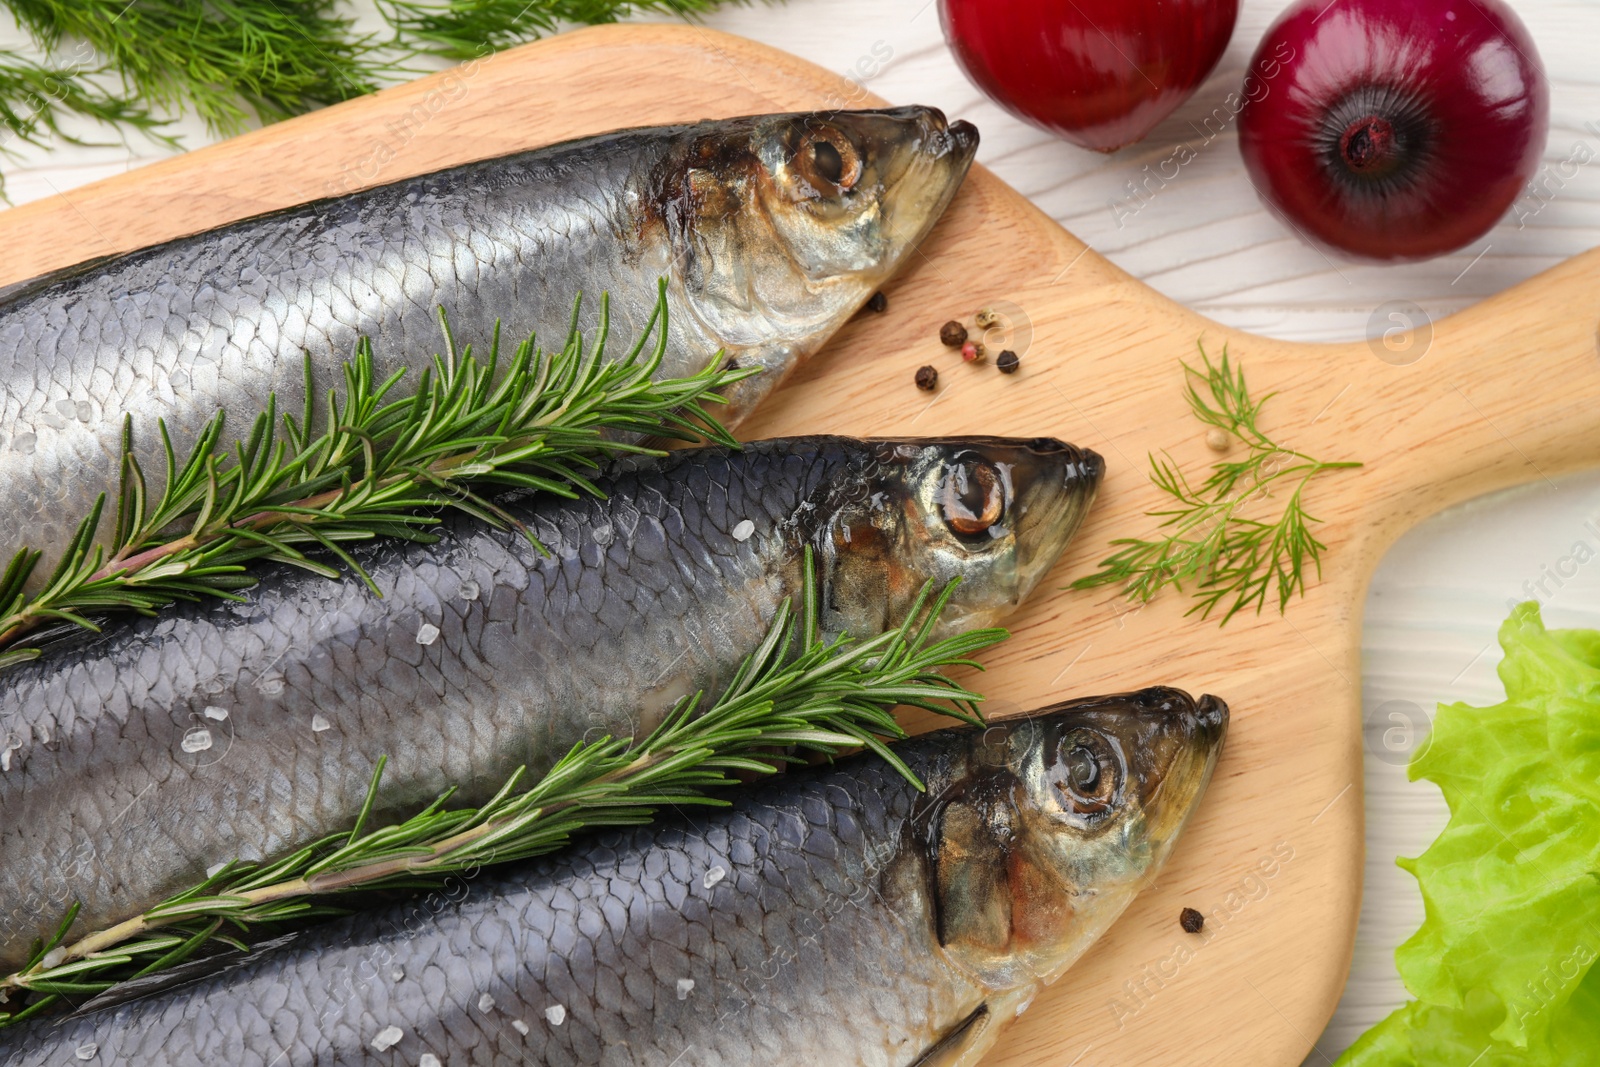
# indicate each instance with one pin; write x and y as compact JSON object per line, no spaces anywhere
{"x":972,"y":499}
{"x":1083,"y":770}
{"x":1087,"y":773}
{"x":828,"y":161}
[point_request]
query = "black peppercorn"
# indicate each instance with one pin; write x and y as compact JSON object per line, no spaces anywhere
{"x":953,"y":334}
{"x":878,"y":303}
{"x":1008,"y":362}
{"x":927,"y":379}
{"x":1191,"y":921}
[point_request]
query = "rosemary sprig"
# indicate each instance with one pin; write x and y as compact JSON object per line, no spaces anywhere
{"x":1207,"y":537}
{"x":381,"y":460}
{"x":828,"y":696}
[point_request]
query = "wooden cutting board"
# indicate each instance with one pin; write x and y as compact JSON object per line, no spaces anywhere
{"x":1505,"y":392}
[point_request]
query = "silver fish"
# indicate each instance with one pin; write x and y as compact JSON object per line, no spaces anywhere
{"x":771,"y":232}
{"x":138,"y":758}
{"x":835,"y":916}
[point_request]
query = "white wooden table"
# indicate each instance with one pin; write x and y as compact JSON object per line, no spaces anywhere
{"x":1203,"y":239}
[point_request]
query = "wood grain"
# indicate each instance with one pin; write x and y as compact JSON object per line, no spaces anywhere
{"x":1506,"y":392}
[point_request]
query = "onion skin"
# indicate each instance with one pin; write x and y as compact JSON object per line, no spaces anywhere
{"x":1101,"y":73}
{"x":1395,"y":131}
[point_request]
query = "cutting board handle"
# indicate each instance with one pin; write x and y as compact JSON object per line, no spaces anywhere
{"x":1507,"y":391}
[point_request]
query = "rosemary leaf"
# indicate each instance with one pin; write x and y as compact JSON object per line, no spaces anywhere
{"x":1209,"y":537}
{"x":796,"y":689}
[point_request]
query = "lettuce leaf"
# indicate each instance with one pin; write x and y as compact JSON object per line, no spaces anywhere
{"x":1502,"y":967}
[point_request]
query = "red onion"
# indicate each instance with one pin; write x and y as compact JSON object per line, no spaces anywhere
{"x":1394,"y":129}
{"x":1101,"y":73}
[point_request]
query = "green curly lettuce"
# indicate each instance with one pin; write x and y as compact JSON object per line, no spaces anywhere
{"x":1502,"y":967}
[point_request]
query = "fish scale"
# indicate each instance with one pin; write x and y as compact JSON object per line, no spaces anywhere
{"x":218,"y":320}
{"x":103,"y":802}
{"x":808,"y":922}
{"x":606,"y":934}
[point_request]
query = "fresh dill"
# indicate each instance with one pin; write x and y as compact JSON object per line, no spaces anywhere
{"x":797,"y":690}
{"x":35,"y":101}
{"x":382,"y":464}
{"x":236,"y":63}
{"x":1210,"y":536}
{"x":232,"y":62}
{"x":461,"y":29}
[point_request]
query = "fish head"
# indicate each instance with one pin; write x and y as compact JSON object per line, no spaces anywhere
{"x":1059,"y":820}
{"x":782,"y":226}
{"x":994,"y":512}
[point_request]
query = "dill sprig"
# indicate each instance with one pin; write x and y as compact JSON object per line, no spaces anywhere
{"x":35,"y":99}
{"x":239,"y":62}
{"x":381,"y":465}
{"x":461,"y":29}
{"x":1207,"y":537}
{"x":233,"y":62}
{"x":823,"y":696}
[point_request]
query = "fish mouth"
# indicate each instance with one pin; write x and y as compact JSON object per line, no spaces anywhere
{"x":963,"y":137}
{"x":930,"y":164}
{"x":956,"y":141}
{"x":1184,"y":738}
{"x":1210,"y":720}
{"x":1055,"y":485}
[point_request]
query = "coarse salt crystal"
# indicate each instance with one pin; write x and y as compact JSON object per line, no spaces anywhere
{"x":427,"y":634}
{"x":54,"y":957}
{"x":216,"y":869}
{"x":216,"y":714}
{"x":86,"y":1052}
{"x":520,"y":1027}
{"x":743,"y":530}
{"x":685,"y":987}
{"x":713,"y":876}
{"x":429,"y":1060}
{"x":387,"y":1038}
{"x":320,"y":723}
{"x":556,"y":1013}
{"x":398,"y":974}
{"x":469,"y":590}
{"x":486,"y":1003}
{"x":197,"y":740}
